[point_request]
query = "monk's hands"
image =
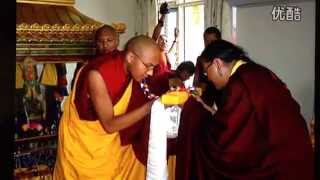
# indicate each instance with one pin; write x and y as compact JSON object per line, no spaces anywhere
{"x":149,"y":104}
{"x":198,"y":98}
{"x":164,"y":8}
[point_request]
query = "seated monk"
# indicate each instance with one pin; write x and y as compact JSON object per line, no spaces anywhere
{"x":89,"y":145}
{"x":257,"y":133}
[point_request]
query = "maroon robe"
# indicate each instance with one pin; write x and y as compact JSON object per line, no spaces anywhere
{"x":108,"y":66}
{"x":163,"y":66}
{"x":138,"y":134}
{"x":159,"y":84}
{"x":257,"y":133}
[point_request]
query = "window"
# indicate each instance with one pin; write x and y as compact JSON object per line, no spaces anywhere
{"x":234,"y":25}
{"x":188,"y":17}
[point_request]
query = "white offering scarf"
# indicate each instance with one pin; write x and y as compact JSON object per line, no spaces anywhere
{"x":164,"y":123}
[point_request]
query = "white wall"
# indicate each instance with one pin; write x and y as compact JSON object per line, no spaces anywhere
{"x":287,"y":48}
{"x":108,"y":11}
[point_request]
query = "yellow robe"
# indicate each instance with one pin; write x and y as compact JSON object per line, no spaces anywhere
{"x":87,"y":152}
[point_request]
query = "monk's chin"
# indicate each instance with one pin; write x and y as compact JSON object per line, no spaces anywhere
{"x":138,"y":79}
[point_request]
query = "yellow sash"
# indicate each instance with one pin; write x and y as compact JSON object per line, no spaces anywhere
{"x":237,"y":65}
{"x":49,"y":75}
{"x":86,"y":151}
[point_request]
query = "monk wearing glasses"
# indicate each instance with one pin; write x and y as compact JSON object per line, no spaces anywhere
{"x":89,"y":145}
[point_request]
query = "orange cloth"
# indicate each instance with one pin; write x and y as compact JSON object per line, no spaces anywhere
{"x":172,"y":167}
{"x":86,"y":151}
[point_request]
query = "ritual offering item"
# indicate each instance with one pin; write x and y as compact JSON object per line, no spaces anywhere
{"x":176,"y":97}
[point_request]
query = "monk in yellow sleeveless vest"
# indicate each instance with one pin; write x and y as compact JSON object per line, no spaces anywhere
{"x":89,"y":144}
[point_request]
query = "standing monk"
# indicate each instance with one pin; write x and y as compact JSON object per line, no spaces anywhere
{"x":164,"y":64}
{"x":258,"y":133}
{"x":211,"y":95}
{"x":106,"y":41}
{"x":89,"y":144}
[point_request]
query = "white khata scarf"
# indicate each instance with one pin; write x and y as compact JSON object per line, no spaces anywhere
{"x":164,"y":123}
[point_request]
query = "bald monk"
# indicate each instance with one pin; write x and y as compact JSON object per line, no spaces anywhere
{"x":106,"y":41}
{"x":89,"y":144}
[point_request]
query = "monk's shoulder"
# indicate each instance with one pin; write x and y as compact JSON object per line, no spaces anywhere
{"x":261,"y":83}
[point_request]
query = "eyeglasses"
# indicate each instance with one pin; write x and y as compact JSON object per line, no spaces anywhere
{"x":148,"y":66}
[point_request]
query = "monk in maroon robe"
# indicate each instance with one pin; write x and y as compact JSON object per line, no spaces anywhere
{"x":257,"y":133}
{"x":100,"y":111}
{"x":106,"y":42}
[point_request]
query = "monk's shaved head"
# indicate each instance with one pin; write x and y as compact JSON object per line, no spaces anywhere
{"x":142,"y":55}
{"x":140,"y":43}
{"x":106,"y":40}
{"x":105,"y":29}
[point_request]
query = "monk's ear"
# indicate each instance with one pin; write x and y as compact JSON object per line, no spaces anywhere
{"x":218,"y":61}
{"x":219,"y":64}
{"x":130,"y":57}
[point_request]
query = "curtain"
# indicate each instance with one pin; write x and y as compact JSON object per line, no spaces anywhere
{"x":218,"y":13}
{"x":146,"y":17}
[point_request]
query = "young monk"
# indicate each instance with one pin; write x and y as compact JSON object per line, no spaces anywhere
{"x":89,"y":144}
